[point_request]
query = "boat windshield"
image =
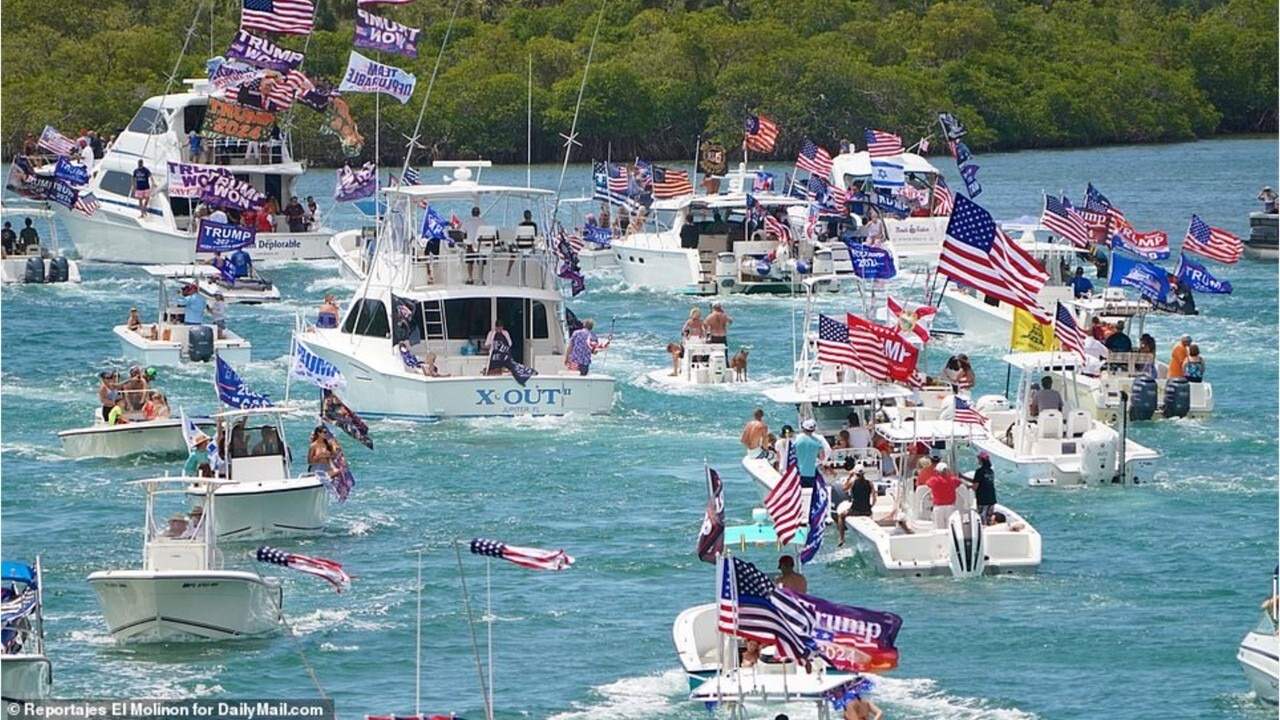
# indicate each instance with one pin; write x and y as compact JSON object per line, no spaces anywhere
{"x":149,"y":121}
{"x":1267,"y":624}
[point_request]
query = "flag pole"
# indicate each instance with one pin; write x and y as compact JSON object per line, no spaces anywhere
{"x":488,"y":619}
{"x":417,"y":662}
{"x":697,"y":153}
{"x":471,"y":625}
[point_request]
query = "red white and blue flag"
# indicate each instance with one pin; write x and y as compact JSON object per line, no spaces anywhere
{"x":977,"y":254}
{"x":882,"y":353}
{"x":943,"y":199}
{"x":87,"y":203}
{"x":668,"y":183}
{"x":1061,"y":218}
{"x":776,"y":227}
{"x":327,"y":570}
{"x":1069,"y":335}
{"x":751,"y":606}
{"x":525,"y":557}
{"x":1211,"y":242}
{"x":761,"y":133}
{"x":881,"y":144}
{"x":784,"y":501}
{"x":55,"y":142}
{"x":814,"y":158}
{"x":290,"y":17}
{"x":965,"y":413}
{"x":833,"y":342}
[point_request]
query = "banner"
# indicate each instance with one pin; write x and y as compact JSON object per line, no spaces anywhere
{"x":365,"y":75}
{"x":1029,"y":335}
{"x":870,"y":263}
{"x":73,"y":174}
{"x":853,"y":638}
{"x":338,"y":479}
{"x":225,"y":73}
{"x":356,"y":184}
{"x":378,"y":33}
{"x":216,"y":237}
{"x":338,"y":122}
{"x":263,"y":53}
{"x":1150,"y":280}
{"x":712,"y":159}
{"x":969,"y":173}
{"x":1150,"y":245}
{"x":951,"y":127}
{"x":228,"y":192}
{"x":38,"y":187}
{"x":1198,"y":278}
{"x":333,"y":410}
{"x":891,"y":202}
{"x":224,"y":120}
{"x":187,"y":180}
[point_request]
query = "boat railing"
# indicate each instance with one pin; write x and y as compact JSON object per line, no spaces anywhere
{"x":498,"y":267}
{"x":1129,"y":363}
{"x":245,"y":152}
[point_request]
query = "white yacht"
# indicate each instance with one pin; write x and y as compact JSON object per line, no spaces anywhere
{"x":1259,"y":652}
{"x":261,"y":496}
{"x":442,"y":309}
{"x":41,"y":263}
{"x":914,"y":239}
{"x":182,"y":591}
{"x":169,"y":340}
{"x":253,"y":289}
{"x":157,"y":135}
{"x":27,"y":671}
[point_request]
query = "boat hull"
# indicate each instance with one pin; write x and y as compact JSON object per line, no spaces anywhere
{"x":272,"y":508}
{"x":1259,"y":657}
{"x":981,"y":323}
{"x":25,"y":677}
{"x":142,"y":606}
{"x":1264,"y":237}
{"x":160,"y":437}
{"x":144,"y":351}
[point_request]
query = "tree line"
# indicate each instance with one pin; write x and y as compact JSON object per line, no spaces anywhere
{"x":1018,"y":73}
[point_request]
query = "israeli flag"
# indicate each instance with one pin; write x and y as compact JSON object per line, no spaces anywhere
{"x":888,"y":173}
{"x":312,"y":368}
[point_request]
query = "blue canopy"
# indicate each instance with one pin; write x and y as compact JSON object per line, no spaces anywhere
{"x":19,"y":572}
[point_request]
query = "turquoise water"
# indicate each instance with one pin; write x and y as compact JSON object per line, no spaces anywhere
{"x":1136,"y":613}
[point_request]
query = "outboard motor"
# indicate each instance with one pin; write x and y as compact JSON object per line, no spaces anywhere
{"x":1098,"y":449}
{"x":1177,"y":397}
{"x":967,"y":544}
{"x":823,"y":262}
{"x":200,"y":342}
{"x":34,"y":271}
{"x":726,"y":269}
{"x":1142,"y":398}
{"x":59,"y":269}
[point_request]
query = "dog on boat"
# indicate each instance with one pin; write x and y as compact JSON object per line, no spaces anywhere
{"x":738,"y":364}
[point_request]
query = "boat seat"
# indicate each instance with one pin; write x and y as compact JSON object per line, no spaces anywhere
{"x":827,"y":375}
{"x":1078,"y":423}
{"x":524,"y":237}
{"x":173,"y":554}
{"x":1050,"y":422}
{"x":486,"y":238}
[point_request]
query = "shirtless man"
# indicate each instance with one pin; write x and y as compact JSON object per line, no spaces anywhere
{"x":717,"y":324}
{"x":789,"y":578}
{"x":860,"y":708}
{"x":754,"y":432}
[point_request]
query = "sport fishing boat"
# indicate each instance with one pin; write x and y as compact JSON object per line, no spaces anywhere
{"x":1263,"y":242}
{"x":27,"y":672}
{"x":259,"y":496}
{"x":916,"y":238}
{"x":169,"y":340}
{"x":157,"y":135}
{"x":253,"y":289}
{"x":416,"y":309}
{"x":44,"y":262}
{"x":1259,"y":652}
{"x":182,"y":591}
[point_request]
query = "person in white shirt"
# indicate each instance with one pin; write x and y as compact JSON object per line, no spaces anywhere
{"x":218,"y":313}
{"x":471,"y":226}
{"x":859,"y":436}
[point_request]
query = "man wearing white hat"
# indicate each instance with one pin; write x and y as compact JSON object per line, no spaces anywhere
{"x":810,"y":450}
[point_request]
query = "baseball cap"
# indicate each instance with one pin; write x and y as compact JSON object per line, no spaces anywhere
{"x":941,"y":466}
{"x":809,"y":425}
{"x":984,"y":455}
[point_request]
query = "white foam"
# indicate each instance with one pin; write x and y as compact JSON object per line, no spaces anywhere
{"x":922,"y":699}
{"x":636,"y":697}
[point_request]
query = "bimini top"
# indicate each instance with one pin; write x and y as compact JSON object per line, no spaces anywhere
{"x":11,"y":571}
{"x":462,"y":186}
{"x":1037,"y":361}
{"x":909,"y":431}
{"x":858,"y":164}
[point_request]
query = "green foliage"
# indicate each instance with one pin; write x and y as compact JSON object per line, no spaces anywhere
{"x":1019,"y":73}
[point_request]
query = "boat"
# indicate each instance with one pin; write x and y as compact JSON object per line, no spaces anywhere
{"x":915,"y":239}
{"x":701,"y":363}
{"x":253,"y":289}
{"x":45,"y":262}
{"x":1259,"y":652}
{"x":724,"y":256}
{"x":1055,"y":447}
{"x":426,"y":302}
{"x":162,"y":436}
{"x":1263,"y":242}
{"x":169,"y":341}
{"x":157,"y":135}
{"x":182,"y":592}
{"x":258,"y":495}
{"x":26,"y":670}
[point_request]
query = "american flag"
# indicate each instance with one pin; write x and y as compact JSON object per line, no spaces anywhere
{"x":1097,"y":210}
{"x":279,"y":95}
{"x":833,"y":342}
{"x":784,"y":500}
{"x":965,"y":414}
{"x":761,"y":133}
{"x":1211,"y":242}
{"x":644,"y":173}
{"x":668,"y":183}
{"x":291,"y":17}
{"x":777,"y":227}
{"x":1067,"y":331}
{"x":868,"y":348}
{"x":411,"y":176}
{"x":978,"y":254}
{"x":882,"y":144}
{"x":528,"y":557}
{"x":943,"y":200}
{"x":87,"y":203}
{"x":814,"y":158}
{"x":321,"y":568}
{"x":55,"y":142}
{"x":711,"y":536}
{"x":1065,"y":221}
{"x":610,"y":184}
{"x":911,"y":318}
{"x":763,"y":181}
{"x":751,"y":606}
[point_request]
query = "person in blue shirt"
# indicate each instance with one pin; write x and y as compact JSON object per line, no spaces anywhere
{"x":1080,"y":284}
{"x":142,"y":187}
{"x":242,"y":263}
{"x":194,"y":305}
{"x":809,"y":450}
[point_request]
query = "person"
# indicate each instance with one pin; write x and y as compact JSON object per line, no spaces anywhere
{"x":194,"y":523}
{"x":313,"y":214}
{"x":296,"y":215}
{"x":810,"y":451}
{"x":1268,"y":198}
{"x":694,"y":327}
{"x":8,"y":240}
{"x":675,"y":351}
{"x":861,"y":498}
{"x":115,"y":416}
{"x":859,"y":436}
{"x":604,"y":217}
{"x":264,"y":221}
{"x":842,"y":440}
{"x":754,"y":432}
{"x":751,"y":654}
{"x":942,"y":487}
{"x":218,"y":313}
{"x":984,"y":487}
{"x":194,"y":305}
{"x":142,"y":187}
{"x":861,"y":708}
{"x":218,"y":215}
{"x":318,"y":452}
{"x":583,"y":343}
{"x":1118,"y":341}
{"x":1046,"y":398}
{"x":689,"y":234}
{"x":30,"y":146}
{"x":29,"y":237}
{"x":499,"y":331}
{"x":327,"y":316}
{"x":268,"y":443}
{"x":769,"y":449}
{"x":134,"y":322}
{"x":1178,"y":357}
{"x":717,"y":326}
{"x":1081,"y":285}
{"x":156,"y":407}
{"x":959,"y":373}
{"x":177,"y":526}
{"x":782,"y":447}
{"x":1194,"y":367}
{"x":242,"y":263}
{"x":199,"y":455}
{"x":429,"y":366}
{"x":86,"y":156}
{"x":411,"y":361}
{"x":1097,"y":330}
{"x":134,"y":390}
{"x":106,"y":386}
{"x":924,"y":469}
{"x":788,"y":577}
{"x":471,"y":227}
{"x":1147,"y":348}
{"x":528,"y":221}
{"x":1185,"y":299}
{"x":193,"y":146}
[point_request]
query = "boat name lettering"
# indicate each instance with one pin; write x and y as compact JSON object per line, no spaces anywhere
{"x":274,"y":244}
{"x":194,"y":585}
{"x":852,"y":626}
{"x":532,"y":397}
